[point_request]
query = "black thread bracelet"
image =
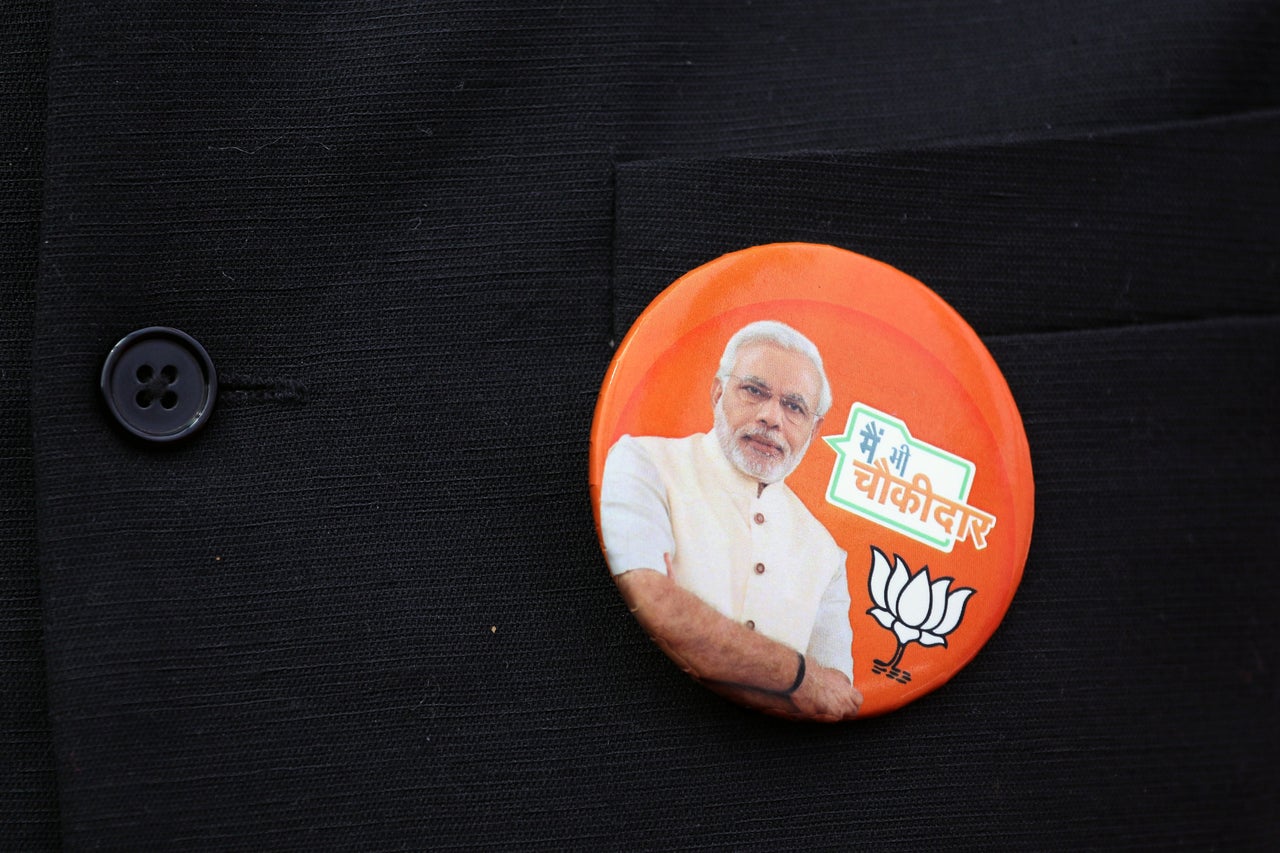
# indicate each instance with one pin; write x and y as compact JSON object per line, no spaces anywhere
{"x":799,"y":679}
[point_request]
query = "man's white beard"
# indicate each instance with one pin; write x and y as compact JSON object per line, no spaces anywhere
{"x":767,"y":471}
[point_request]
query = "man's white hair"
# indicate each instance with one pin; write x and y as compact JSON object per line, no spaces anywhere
{"x":779,"y":334}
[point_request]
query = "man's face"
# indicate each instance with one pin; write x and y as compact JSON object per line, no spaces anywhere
{"x":765,"y":411}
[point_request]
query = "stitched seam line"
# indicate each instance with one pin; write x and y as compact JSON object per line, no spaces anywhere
{"x":236,"y":388}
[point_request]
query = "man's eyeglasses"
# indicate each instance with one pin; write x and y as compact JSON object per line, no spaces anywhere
{"x":753,"y":392}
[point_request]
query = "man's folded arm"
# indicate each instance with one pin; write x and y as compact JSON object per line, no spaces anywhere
{"x":731,"y":657}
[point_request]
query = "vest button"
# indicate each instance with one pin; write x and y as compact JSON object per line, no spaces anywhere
{"x":751,"y":624}
{"x":759,"y":568}
{"x":759,"y":518}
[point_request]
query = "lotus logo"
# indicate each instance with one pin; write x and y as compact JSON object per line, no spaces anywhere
{"x":915,"y":608}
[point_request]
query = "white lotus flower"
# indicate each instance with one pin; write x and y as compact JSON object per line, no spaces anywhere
{"x":915,"y":608}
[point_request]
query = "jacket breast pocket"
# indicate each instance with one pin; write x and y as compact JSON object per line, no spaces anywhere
{"x":1141,"y":226}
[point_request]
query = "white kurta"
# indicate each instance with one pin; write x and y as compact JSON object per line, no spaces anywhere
{"x":758,"y":557}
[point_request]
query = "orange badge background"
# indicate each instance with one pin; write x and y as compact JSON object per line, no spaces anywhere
{"x":887,"y":341}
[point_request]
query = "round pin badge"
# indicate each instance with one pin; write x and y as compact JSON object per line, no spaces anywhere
{"x":811,"y":482}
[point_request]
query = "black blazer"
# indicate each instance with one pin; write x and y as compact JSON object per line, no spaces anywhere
{"x":365,"y":605}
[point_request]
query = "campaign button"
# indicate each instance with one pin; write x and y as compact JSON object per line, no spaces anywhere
{"x":810,"y":410}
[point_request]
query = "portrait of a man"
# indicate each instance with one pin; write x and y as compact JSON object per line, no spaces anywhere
{"x":720,"y":561}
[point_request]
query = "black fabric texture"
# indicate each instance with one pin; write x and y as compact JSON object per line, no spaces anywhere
{"x":1140,"y":225}
{"x":28,"y":784}
{"x":365,"y":607}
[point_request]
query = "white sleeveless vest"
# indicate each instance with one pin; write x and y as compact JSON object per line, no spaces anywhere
{"x":759,"y":558}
